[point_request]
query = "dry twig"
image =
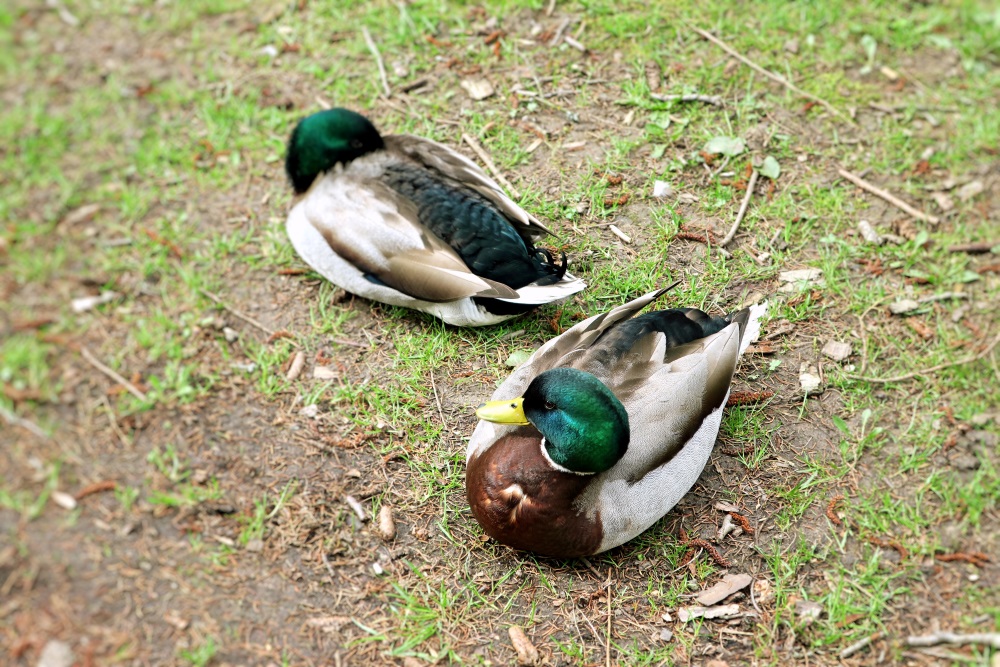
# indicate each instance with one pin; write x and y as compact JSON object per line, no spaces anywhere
{"x":889,"y":197}
{"x":975,"y":248}
{"x":243,"y":316}
{"x":111,"y":373}
{"x":437,"y":399}
{"x":743,"y":210}
{"x":932,"y":369}
{"x":771,"y":75}
{"x":988,"y":638}
{"x":378,"y":60}
{"x":714,"y":100}
{"x":26,"y":424}
{"x":860,"y":644}
{"x":484,"y":156}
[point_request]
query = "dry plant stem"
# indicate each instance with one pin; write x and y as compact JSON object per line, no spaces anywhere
{"x":975,"y":248}
{"x":607,"y":644}
{"x":93,"y":361}
{"x":988,"y":638}
{"x":771,"y":75}
{"x":714,"y":100}
{"x":243,"y":316}
{"x":437,"y":399}
{"x":743,"y":210}
{"x":932,"y":369}
{"x":26,"y":424}
{"x":889,"y":197}
{"x":378,"y":60}
{"x":484,"y":156}
{"x":860,"y":644}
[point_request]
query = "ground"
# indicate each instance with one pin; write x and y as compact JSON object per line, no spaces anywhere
{"x":193,"y":510}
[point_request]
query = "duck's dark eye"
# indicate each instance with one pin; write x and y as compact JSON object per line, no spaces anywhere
{"x":549,"y":405}
{"x":356,"y":143}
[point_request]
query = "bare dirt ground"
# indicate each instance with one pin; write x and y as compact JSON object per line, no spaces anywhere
{"x":218,"y":530}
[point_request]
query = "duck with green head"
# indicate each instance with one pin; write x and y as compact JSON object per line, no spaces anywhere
{"x":410,"y":222}
{"x":603,"y":430}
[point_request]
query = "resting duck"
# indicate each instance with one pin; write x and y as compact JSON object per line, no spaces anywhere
{"x":410,"y":222}
{"x":603,"y":430}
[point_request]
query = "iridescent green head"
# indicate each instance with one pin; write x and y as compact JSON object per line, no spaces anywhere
{"x":323,"y":139}
{"x":585,"y":426}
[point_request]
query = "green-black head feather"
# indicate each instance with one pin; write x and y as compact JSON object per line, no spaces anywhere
{"x":323,"y":139}
{"x":585,"y":425}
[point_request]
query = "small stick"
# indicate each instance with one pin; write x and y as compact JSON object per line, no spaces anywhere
{"x":620,"y":234}
{"x":771,"y":75}
{"x":860,"y":644}
{"x":975,"y":248}
{"x":28,"y":425}
{"x":436,"y":399}
{"x":559,"y":32}
{"x":989,"y":638}
{"x":714,"y":100}
{"x":889,"y":197}
{"x":113,"y":420}
{"x":575,"y":44}
{"x":246,"y":318}
{"x":607,"y":645}
{"x":378,"y":60}
{"x":926,"y":371}
{"x":743,"y":210}
{"x":92,"y":360}
{"x":484,"y":156}
{"x":356,"y":506}
{"x":329,"y":568}
{"x":96,"y":487}
{"x":943,"y":296}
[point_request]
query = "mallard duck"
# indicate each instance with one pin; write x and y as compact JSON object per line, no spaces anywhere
{"x":410,"y":222}
{"x":604,"y":428}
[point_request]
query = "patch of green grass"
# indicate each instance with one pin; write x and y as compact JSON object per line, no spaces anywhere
{"x":201,"y":655}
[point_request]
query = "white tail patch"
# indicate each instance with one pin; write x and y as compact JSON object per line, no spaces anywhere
{"x":753,"y":325}
{"x":539,"y":294}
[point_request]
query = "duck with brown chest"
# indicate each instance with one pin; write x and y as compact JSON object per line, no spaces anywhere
{"x":603,"y":430}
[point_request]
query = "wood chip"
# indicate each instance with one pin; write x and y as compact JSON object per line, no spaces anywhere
{"x":64,"y":500}
{"x":85,"y":303}
{"x":730,"y":584}
{"x":324,"y":373}
{"x":298,"y":361}
{"x":527,"y":654}
{"x":903,"y":306}
{"x":836,"y":350}
{"x":478,"y":89}
{"x":386,"y":524}
{"x":686,"y":614}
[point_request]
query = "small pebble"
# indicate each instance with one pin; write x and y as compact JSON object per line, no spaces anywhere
{"x":231,"y":334}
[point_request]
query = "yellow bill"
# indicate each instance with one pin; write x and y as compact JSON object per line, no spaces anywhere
{"x":503,"y":412}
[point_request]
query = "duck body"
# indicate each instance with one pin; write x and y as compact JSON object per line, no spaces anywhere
{"x":538,"y":479}
{"x":409,"y":222}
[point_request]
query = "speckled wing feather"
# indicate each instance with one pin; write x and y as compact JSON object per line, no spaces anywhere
{"x":370,"y":226}
{"x":459,"y":169}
